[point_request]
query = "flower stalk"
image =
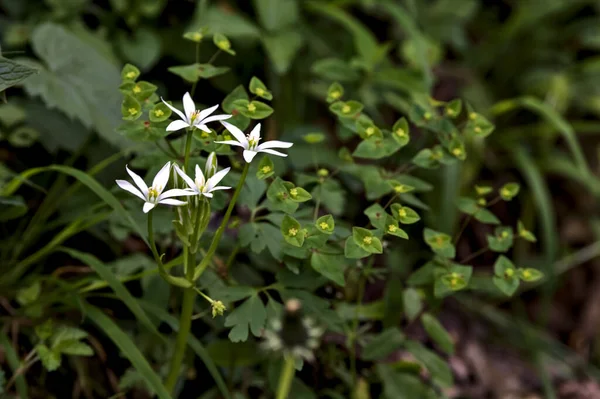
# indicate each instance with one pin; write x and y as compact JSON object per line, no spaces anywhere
{"x":286,"y":377}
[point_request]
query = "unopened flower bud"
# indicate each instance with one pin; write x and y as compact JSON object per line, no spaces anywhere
{"x":218,"y":308}
{"x":211,"y":165}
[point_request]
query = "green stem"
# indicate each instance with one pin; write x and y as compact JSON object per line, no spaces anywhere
{"x":188,"y":148}
{"x":185,"y":324}
{"x":286,"y":377}
{"x":475,"y":254}
{"x":197,"y":61}
{"x":354,"y":333}
{"x":215,"y":242}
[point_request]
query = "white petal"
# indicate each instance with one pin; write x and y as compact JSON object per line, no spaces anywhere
{"x":231,"y":142}
{"x":162,"y":178}
{"x":255,"y":133}
{"x":178,"y":112}
{"x":205,"y":112}
{"x":188,"y":106}
{"x":185,"y":177}
{"x":125,"y":185}
{"x":220,"y":188}
{"x":249,"y":155}
{"x":170,"y":201}
{"x":176,"y":192}
{"x":203,"y":128}
{"x":138,"y":182}
{"x":200,"y":176}
{"x":148,"y":206}
{"x":213,"y":181}
{"x":177,"y":125}
{"x":274,"y":144}
{"x":216,"y":118}
{"x":237,"y":133}
{"x":209,"y":195}
{"x":273,"y":152}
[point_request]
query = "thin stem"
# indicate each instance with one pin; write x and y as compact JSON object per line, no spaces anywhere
{"x":215,"y":242}
{"x":475,"y":254}
{"x":185,"y":324}
{"x":354,"y":332}
{"x":197,"y":61}
{"x":390,"y":201}
{"x":214,"y":56}
{"x":188,"y":148}
{"x":286,"y":377}
{"x":172,"y":148}
{"x":462,"y":228}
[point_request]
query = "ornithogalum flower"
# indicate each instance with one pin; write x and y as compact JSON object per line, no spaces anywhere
{"x":154,"y":195}
{"x":201,"y":185}
{"x":250,"y":142}
{"x":192,"y":117}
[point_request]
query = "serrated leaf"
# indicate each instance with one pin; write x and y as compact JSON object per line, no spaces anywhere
{"x":13,"y":73}
{"x":50,"y":359}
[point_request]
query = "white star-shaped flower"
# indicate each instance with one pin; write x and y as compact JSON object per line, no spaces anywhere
{"x":201,"y":185}
{"x":154,"y":195}
{"x":193,"y":117}
{"x":250,"y":142}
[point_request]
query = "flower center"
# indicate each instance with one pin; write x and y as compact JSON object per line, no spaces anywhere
{"x":194,"y":116}
{"x":292,"y":232}
{"x":367,"y":240}
{"x":153,"y":193}
{"x":392,"y":228}
{"x":324,"y":226}
{"x":252,"y":142}
{"x":201,"y":184}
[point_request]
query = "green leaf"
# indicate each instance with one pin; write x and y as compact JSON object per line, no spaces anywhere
{"x":265,"y":168}
{"x":79,"y":80}
{"x":391,"y":227}
{"x":223,"y":43}
{"x":23,"y":136}
{"x":335,"y":92}
{"x":282,"y":47}
{"x":314,"y":138}
{"x":129,"y":73}
{"x":509,"y":191}
{"x":279,"y":197}
{"x":506,"y":277}
{"x":337,"y":70}
{"x":353,"y":251}
{"x":524,"y":233}
{"x":483,"y":190}
{"x":258,"y":87}
{"x":142,"y":47}
{"x":367,"y":129}
{"x":330,"y":266}
{"x":65,"y":333}
{"x":113,"y":281}
{"x":438,"y":368}
{"x":75,"y":348}
{"x":376,"y":215}
{"x":193,"y":72}
{"x":253,"y":109}
{"x":383,"y":345}
{"x":11,"y":115}
{"x":159,"y":113}
{"x":346,"y":109}
{"x":44,"y":330}
{"x":426,"y":159}
{"x":51,"y":359}
{"x":503,"y":267}
{"x":292,"y":231}
{"x":13,"y":73}
{"x":402,"y":385}
{"x":455,"y":278}
{"x":12,"y":208}
{"x":507,"y":285}
{"x":196,"y":36}
{"x":366,"y":240}
{"x":404,"y":214}
{"x":530,"y":275}
{"x":478,"y":125}
{"x":128,"y":348}
{"x":275,"y":15}
{"x":239,"y":120}
{"x":241,"y":354}
{"x":30,"y":294}
{"x":400,"y":132}
{"x":453,"y":108}
{"x":502,"y":240}
{"x":325,"y":224}
{"x":298,"y":194}
{"x":12,"y":358}
{"x":131,"y":109}
{"x":412,"y":303}
{"x":440,"y":243}
{"x":438,"y":333}
{"x":250,"y":315}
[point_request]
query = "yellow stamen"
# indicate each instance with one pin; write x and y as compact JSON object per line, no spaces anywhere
{"x":335,"y":94}
{"x":402,"y":212}
{"x":131,"y":75}
{"x":132,"y":111}
{"x":251,"y":107}
{"x":292,"y":232}
{"x":260,"y":91}
{"x":400,"y":132}
{"x":392,"y":228}
{"x":324,"y":226}
{"x":346,"y":109}
{"x":294,"y":192}
{"x":265,"y":169}
{"x":367,"y":240}
{"x":158,"y":113}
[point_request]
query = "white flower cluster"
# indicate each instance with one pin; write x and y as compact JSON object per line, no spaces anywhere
{"x":204,"y":183}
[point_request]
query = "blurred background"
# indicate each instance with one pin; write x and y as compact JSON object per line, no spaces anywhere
{"x":531,"y":67}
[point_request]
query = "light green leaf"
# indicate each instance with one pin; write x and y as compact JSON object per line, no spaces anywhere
{"x":75,"y":348}
{"x":258,"y":87}
{"x":353,"y":251}
{"x":530,"y":275}
{"x":438,"y":333}
{"x":325,"y":224}
{"x":330,"y":266}
{"x":335,"y":69}
{"x":366,"y":240}
{"x":334,"y":92}
{"x":223,"y":43}
{"x":404,"y":214}
{"x":253,"y":109}
{"x":292,"y":231}
{"x":412,"y":303}
{"x":437,"y":367}
{"x":50,"y":359}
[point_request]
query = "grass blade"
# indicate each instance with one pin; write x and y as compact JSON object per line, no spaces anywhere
{"x":193,"y":343}
{"x":83,"y":178}
{"x":13,"y":361}
{"x":128,"y":348}
{"x":113,"y":281}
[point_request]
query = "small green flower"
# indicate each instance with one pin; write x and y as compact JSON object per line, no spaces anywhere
{"x":218,"y":308}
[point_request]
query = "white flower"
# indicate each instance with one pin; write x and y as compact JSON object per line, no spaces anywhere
{"x":201,"y":185}
{"x":193,"y":117}
{"x":154,"y":195}
{"x":250,"y":143}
